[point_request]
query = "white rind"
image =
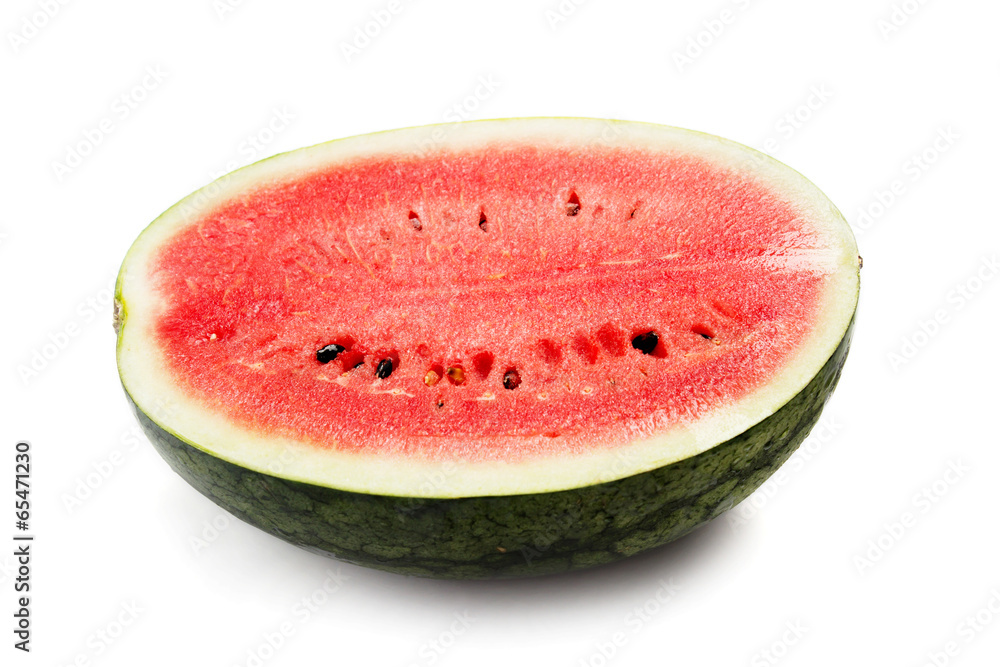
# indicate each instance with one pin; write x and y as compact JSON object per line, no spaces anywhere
{"x":146,"y":378}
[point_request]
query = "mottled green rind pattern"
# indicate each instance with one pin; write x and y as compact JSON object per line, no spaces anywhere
{"x":508,"y":536}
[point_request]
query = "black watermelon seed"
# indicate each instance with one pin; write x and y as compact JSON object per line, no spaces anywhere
{"x":325,"y":355}
{"x":511,"y":379}
{"x":646,"y":342}
{"x":384,"y":369}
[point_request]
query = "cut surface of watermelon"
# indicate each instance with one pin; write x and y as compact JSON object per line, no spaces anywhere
{"x":531,"y":305}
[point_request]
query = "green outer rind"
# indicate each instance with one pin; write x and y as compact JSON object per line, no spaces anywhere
{"x":509,"y":536}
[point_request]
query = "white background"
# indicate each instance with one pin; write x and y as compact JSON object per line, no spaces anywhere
{"x":859,"y":105}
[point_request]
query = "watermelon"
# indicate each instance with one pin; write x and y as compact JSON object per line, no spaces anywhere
{"x":487,"y":349}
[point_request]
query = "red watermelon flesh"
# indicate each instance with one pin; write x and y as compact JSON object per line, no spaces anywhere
{"x":531,"y":300}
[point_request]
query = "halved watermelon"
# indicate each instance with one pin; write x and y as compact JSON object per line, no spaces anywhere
{"x":488,"y":349}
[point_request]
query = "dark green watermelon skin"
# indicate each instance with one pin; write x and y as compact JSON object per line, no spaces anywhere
{"x":508,"y":536}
